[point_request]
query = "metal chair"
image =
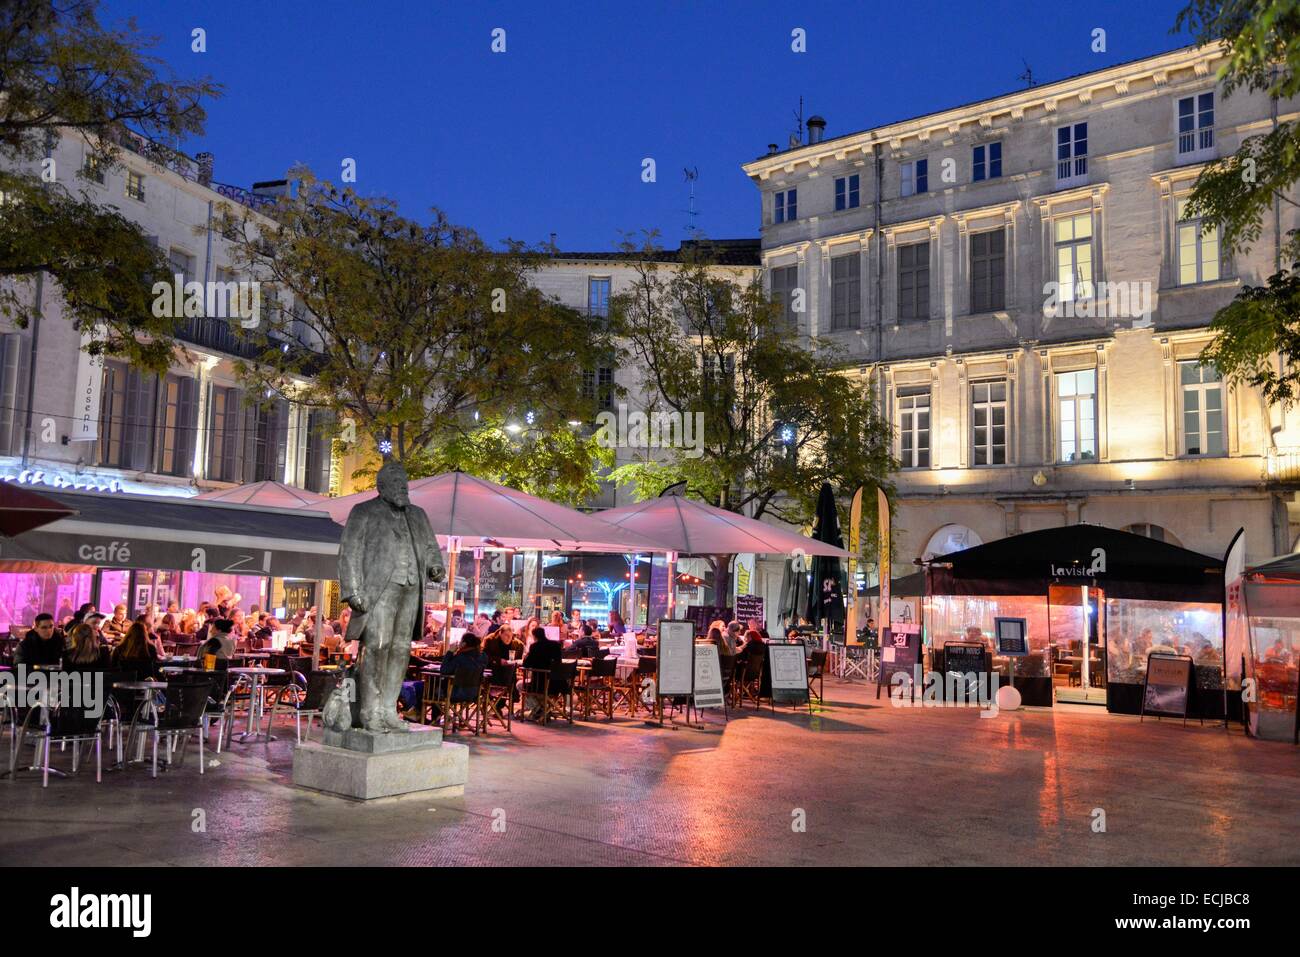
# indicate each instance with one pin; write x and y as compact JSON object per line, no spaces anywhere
{"x":306,"y":697}
{"x":749,"y":683}
{"x":182,"y":715}
{"x":66,"y":725}
{"x":463,"y":701}
{"x":559,"y":690}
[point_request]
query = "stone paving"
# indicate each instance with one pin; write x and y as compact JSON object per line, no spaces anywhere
{"x":873,"y":784}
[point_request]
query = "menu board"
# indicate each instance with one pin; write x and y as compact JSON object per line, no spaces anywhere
{"x":898,"y":653}
{"x":676,"y":657}
{"x":708,"y":677}
{"x":1011,"y":637}
{"x":705,"y":615}
{"x":789,"y":672}
{"x":750,"y":608}
{"x":968,"y":660}
{"x":1168,"y":685}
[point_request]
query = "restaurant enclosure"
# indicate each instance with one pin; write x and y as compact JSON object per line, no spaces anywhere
{"x":141,"y":550}
{"x":1264,"y":618}
{"x":1095,"y":601}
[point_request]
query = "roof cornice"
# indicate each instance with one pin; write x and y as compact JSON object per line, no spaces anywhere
{"x":1047,"y":98}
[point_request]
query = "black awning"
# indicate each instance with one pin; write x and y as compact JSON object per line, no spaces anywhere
{"x":1124,"y":564}
{"x":909,"y":586}
{"x":133,"y":531}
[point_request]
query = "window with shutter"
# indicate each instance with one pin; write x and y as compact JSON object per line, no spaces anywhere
{"x":12,"y":393}
{"x":845,"y":292}
{"x":914,"y":281}
{"x":988,"y":256}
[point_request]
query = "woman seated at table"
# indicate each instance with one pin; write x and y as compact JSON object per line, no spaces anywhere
{"x":501,"y":643}
{"x":136,"y":653}
{"x":530,"y":626}
{"x":166,"y":630}
{"x":86,"y":652}
{"x":754,"y":647}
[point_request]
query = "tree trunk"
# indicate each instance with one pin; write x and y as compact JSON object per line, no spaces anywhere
{"x":720,"y":565}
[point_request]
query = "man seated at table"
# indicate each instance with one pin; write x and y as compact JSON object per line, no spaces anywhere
{"x":501,"y":643}
{"x":585,"y":645}
{"x":115,"y":628}
{"x":43,"y":644}
{"x":543,"y":655}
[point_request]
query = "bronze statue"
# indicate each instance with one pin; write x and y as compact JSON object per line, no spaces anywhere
{"x":387,"y":553}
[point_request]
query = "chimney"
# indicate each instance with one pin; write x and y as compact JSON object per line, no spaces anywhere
{"x":772,"y":148}
{"x":816,"y":129}
{"x":205,"y":168}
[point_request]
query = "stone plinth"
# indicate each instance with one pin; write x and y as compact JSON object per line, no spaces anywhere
{"x":362,"y":765}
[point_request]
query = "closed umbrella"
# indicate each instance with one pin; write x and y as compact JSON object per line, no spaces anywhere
{"x":826,"y":594}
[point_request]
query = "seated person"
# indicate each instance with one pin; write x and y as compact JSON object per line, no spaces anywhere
{"x":468,"y":658}
{"x":501,"y":643}
{"x":43,"y":645}
{"x":86,"y":651}
{"x":585,"y":646}
{"x":136,"y":653}
{"x":221,"y":640}
{"x":543,"y":655}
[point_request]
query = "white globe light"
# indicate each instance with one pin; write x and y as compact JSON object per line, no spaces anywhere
{"x":1008,"y":698}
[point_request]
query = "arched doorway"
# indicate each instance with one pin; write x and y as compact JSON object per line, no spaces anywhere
{"x":950,"y":538}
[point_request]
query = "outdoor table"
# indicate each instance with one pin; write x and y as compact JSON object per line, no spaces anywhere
{"x":145,"y":689}
{"x":252,"y":655}
{"x":257,"y":679}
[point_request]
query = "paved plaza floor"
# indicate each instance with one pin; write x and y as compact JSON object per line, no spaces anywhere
{"x":859,"y":783}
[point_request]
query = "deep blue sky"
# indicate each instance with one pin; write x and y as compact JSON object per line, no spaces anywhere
{"x":549,"y":136}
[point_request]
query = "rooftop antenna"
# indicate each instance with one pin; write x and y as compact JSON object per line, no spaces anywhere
{"x":692,"y":174}
{"x":796,"y":138}
{"x":1028,"y":75}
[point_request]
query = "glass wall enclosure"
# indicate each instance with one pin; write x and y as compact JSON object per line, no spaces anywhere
{"x":1273,"y":611}
{"x":25,"y":595}
{"x":1137,"y":627}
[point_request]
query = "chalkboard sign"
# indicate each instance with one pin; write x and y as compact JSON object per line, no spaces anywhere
{"x":968,"y":660}
{"x":708,"y":677}
{"x":1011,"y":637}
{"x":676,"y":660}
{"x":898,"y":653}
{"x":749,"y":608}
{"x":789,"y":673}
{"x":704,"y":615}
{"x":1168,"y":685}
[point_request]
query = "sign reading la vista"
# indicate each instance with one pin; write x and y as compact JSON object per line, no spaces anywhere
{"x":1078,"y":570}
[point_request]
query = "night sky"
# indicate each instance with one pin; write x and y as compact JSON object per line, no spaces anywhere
{"x":550,"y":135}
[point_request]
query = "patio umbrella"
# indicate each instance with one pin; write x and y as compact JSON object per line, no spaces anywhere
{"x":483,"y":514}
{"x":22,"y":510}
{"x":826,"y":596}
{"x":272,"y":494}
{"x":695,"y":528}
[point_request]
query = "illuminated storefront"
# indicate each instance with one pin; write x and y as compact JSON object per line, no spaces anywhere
{"x":1265,"y":605}
{"x":1096,"y":602}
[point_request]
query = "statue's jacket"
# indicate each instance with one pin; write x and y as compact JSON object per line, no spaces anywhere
{"x":368,"y":553}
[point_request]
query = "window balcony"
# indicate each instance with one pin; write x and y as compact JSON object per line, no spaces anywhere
{"x":218,"y":335}
{"x":1283,"y":465}
{"x":1196,"y":146}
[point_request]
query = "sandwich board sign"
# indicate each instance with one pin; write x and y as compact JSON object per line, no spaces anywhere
{"x":1168,"y":685}
{"x":676,"y":659}
{"x":789,"y":674}
{"x":708,"y":677}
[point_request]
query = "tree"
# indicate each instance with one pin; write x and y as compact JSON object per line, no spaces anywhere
{"x":559,"y":464}
{"x":1262,"y":41}
{"x":775,"y":419}
{"x":415,"y":333}
{"x":62,"y":72}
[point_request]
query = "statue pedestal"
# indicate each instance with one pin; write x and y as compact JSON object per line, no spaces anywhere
{"x":363,"y":765}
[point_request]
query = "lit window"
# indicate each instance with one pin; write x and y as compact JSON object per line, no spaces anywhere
{"x":134,"y":186}
{"x":1202,"y":409}
{"x":1076,"y":394}
{"x":914,"y":427}
{"x":1198,"y":249}
{"x":989,"y":423}
{"x":1073,"y":236}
